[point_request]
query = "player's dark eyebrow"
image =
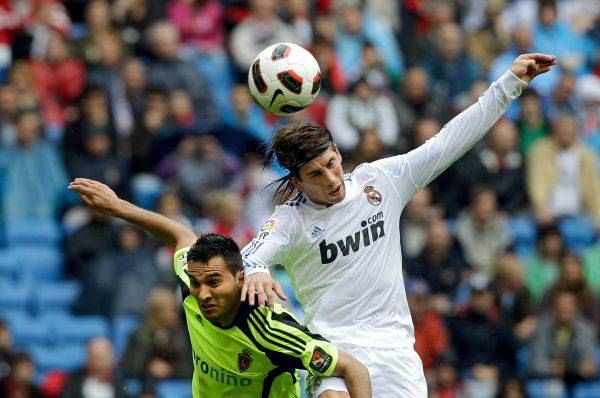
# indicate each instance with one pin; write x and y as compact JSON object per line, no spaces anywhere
{"x":192,"y":278}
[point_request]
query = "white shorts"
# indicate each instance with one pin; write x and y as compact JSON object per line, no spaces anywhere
{"x":394,"y":373}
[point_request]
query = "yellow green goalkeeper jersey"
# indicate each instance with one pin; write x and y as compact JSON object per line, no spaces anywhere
{"x":258,"y":356}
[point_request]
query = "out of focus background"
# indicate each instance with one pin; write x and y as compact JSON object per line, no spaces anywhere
{"x":501,"y":255}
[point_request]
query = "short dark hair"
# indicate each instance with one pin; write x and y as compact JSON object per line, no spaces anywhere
{"x":293,"y":146}
{"x":212,"y":245}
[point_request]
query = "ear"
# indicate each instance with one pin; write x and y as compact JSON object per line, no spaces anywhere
{"x":239,"y":279}
{"x":296,"y":183}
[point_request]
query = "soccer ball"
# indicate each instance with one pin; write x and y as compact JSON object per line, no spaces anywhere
{"x":284,"y":78}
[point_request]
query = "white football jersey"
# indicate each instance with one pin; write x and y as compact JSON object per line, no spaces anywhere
{"x":344,"y":260}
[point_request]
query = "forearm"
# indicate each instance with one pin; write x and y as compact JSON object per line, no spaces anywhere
{"x":355,"y":375}
{"x":171,"y":232}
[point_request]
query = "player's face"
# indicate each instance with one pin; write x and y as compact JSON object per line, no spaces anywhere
{"x":322,"y":179}
{"x":216,"y":290}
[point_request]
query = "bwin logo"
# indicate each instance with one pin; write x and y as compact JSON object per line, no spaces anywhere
{"x":373,"y":229}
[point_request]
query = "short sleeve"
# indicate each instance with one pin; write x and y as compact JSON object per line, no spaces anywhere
{"x":290,"y":344}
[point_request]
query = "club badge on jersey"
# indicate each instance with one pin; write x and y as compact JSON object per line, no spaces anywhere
{"x":373,"y":196}
{"x":244,"y":360}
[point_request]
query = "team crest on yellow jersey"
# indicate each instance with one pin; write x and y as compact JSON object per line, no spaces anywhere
{"x":244,"y":360}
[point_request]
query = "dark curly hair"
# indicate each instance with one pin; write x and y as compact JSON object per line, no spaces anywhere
{"x":211,"y":245}
{"x":293,"y":146}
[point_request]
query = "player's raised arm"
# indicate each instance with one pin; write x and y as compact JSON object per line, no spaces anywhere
{"x":101,"y":198}
{"x":420,"y":166}
{"x":266,"y":249}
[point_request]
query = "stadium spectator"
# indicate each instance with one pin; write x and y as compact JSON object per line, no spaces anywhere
{"x":245,"y":116}
{"x":6,"y":350}
{"x":132,"y":101}
{"x":512,"y":297}
{"x":159,"y":348}
{"x":198,"y":166}
{"x":224,"y":211}
{"x":34,"y":176}
{"x":202,"y":30}
{"x":491,"y":38}
{"x":481,"y":232}
{"x":417,"y":101}
{"x":297,"y":14}
{"x":59,"y":80}
{"x":97,"y":17}
{"x":440,"y":264}
{"x":559,"y":38}
{"x":451,"y":69}
{"x":261,"y":28}
{"x":99,"y":374}
{"x":134,"y":17}
{"x":169,"y":72}
{"x":333,"y":78}
{"x":368,"y":149}
{"x":357,"y":28}
{"x":415,"y":223}
{"x":363,"y":108}
{"x":445,"y":382}
{"x":20,"y":381}
{"x":562,"y":178}
{"x":571,"y":279}
{"x":98,"y":161}
{"x":94,"y":115}
{"x":119,"y":280}
{"x":497,"y":165}
{"x":542,"y":266}
{"x":8,"y":112}
{"x":154,"y":136}
{"x":432,"y":340}
{"x":560,"y":345}
{"x":565,"y":99}
{"x":532,"y":123}
{"x":484,"y":347}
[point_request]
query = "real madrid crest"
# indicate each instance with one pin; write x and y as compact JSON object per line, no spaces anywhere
{"x":373,"y":196}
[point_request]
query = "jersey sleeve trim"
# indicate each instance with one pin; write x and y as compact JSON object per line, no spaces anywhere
{"x":269,"y":339}
{"x":180,"y":265}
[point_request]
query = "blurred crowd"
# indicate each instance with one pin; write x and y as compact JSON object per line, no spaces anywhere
{"x":150,"y":97}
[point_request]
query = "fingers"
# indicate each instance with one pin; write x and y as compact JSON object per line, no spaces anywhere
{"x":279,"y":291}
{"x":260,"y":293}
{"x":245,"y":289}
{"x":541,"y":58}
{"x":251,"y":294}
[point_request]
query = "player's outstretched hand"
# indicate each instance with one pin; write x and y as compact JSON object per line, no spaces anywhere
{"x":261,"y":285}
{"x":528,"y":66}
{"x":96,"y":195}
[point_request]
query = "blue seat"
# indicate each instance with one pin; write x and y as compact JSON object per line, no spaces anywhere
{"x":56,"y":296}
{"x":65,"y":357}
{"x":174,"y":389}
{"x":32,"y":232}
{"x":15,"y":297}
{"x":545,"y":389}
{"x":28,"y":330}
{"x":77,"y":329}
{"x":524,"y":233}
{"x":133,"y":387}
{"x":39,"y":262}
{"x":122,"y":328}
{"x":146,"y":190}
{"x":9,"y":266}
{"x":589,"y":389}
{"x":578,"y":232}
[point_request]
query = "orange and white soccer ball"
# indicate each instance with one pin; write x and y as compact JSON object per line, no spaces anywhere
{"x":284,"y":78}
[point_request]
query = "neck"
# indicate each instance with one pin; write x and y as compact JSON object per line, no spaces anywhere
{"x":227,"y":319}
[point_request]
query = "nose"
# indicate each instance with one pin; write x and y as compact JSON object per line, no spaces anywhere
{"x":203,"y":293}
{"x":330,"y":178}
